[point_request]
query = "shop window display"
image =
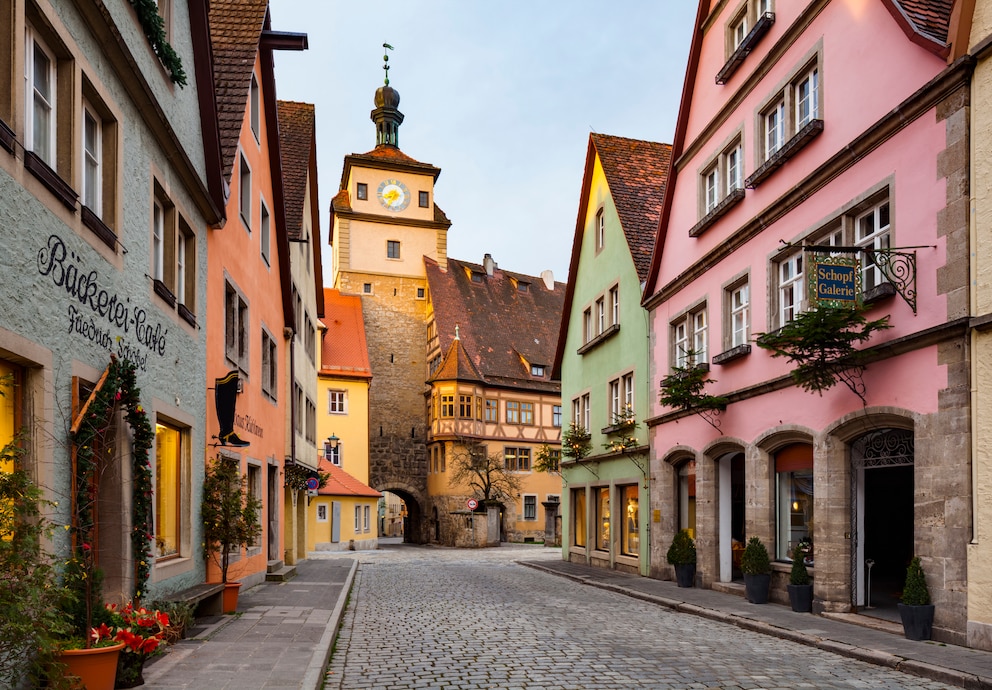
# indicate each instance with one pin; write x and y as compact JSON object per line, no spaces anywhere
{"x":793,"y":498}
{"x":603,"y":519}
{"x":630,"y":537}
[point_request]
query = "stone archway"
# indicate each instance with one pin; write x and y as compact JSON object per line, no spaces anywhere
{"x":416,"y":528}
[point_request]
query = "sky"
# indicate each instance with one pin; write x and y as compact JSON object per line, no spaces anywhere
{"x":501,"y":96}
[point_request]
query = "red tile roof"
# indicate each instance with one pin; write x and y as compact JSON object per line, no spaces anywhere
{"x":932,"y":18}
{"x":296,"y":137}
{"x":235,"y":30}
{"x":500,"y":325}
{"x":457,"y":365}
{"x":636,"y":172}
{"x":344,"y":350}
{"x":341,"y":483}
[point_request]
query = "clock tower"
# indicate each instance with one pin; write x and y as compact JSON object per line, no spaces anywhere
{"x":384,"y":222}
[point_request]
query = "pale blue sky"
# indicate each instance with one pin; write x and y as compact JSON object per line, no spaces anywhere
{"x":501,"y":96}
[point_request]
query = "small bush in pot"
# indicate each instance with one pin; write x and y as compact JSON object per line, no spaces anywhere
{"x":800,"y":584}
{"x":682,"y":555}
{"x":757,"y":568}
{"x":915,"y":609}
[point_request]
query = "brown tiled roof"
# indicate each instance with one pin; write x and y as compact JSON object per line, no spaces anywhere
{"x":296,"y":138}
{"x":341,"y":483}
{"x":932,"y":18}
{"x":235,"y":30}
{"x":440,"y":216}
{"x":636,"y":172}
{"x":386,"y":157}
{"x":343,"y":349}
{"x":499,"y":324}
{"x":457,"y":365}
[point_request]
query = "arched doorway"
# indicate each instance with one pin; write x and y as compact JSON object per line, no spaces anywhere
{"x":415,"y":529}
{"x":882,"y":520}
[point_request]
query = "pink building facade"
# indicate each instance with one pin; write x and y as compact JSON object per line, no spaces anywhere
{"x":819,"y":124}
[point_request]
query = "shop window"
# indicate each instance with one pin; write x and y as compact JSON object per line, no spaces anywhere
{"x":10,"y":398}
{"x":630,"y":536}
{"x":793,"y":498}
{"x":579,"y":517}
{"x":603,"y":518}
{"x":687,"y":497}
{"x":170,"y":452}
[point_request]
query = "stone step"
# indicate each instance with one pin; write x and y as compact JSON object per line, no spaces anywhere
{"x":283,"y":574}
{"x":274,"y":566}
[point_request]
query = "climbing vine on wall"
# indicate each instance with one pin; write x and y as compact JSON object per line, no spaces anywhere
{"x":154,"y":27}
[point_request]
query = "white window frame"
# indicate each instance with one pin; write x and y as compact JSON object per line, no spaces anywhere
{"x":337,"y":402}
{"x":358,"y":519}
{"x":41,"y":138}
{"x":739,"y":310}
{"x":600,"y":315}
{"x":321,"y":512}
{"x":711,"y":189}
{"x":92,"y":124}
{"x":773,"y":121}
{"x":615,"y":305}
{"x":600,"y":229}
{"x":181,"y":249}
{"x":158,"y":240}
{"x":615,"y":404}
{"x":627,"y":386}
{"x":807,"y":98}
{"x":878,"y":238}
{"x":791,"y":287}
{"x":690,"y":331}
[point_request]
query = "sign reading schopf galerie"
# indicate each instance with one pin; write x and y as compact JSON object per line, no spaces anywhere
{"x":834,"y":280}
{"x":97,"y":313}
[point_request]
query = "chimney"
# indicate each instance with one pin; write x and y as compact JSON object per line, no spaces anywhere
{"x":489,"y":264}
{"x":549,"y":279}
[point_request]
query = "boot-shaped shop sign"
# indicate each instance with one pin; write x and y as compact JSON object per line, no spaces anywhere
{"x":226,"y":397}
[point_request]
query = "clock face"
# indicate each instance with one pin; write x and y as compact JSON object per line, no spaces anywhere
{"x":393,"y":195}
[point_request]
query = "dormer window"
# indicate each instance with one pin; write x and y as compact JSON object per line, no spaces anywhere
{"x":476,"y":277}
{"x":537,"y":370}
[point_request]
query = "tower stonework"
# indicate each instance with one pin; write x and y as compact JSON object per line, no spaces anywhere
{"x":383,"y":223}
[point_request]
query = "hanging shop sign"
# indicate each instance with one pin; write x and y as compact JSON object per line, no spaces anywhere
{"x":834,"y":280}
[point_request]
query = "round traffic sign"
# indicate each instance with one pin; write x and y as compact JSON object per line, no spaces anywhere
{"x":472,"y":504}
{"x":313,"y":483}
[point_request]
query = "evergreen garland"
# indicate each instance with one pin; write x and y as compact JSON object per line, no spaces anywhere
{"x":154,"y":27}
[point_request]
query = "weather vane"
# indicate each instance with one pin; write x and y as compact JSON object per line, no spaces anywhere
{"x":385,"y":60}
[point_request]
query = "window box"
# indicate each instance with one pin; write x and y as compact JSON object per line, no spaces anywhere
{"x":607,"y":333}
{"x":99,"y":228}
{"x":48,"y":177}
{"x":791,"y":148}
{"x":165,"y":293}
{"x":7,"y":137}
{"x":732,"y":354}
{"x":879,"y":293}
{"x":761,"y":27}
{"x":719,"y":211}
{"x":186,"y":315}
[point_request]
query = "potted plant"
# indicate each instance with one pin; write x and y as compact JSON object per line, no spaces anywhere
{"x":682,"y":555}
{"x":800,"y":585}
{"x":143,"y":633}
{"x":757,"y":569}
{"x":915,"y":608}
{"x":230,"y":518}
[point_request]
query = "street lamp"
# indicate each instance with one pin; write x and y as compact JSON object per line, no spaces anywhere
{"x":330,"y":444}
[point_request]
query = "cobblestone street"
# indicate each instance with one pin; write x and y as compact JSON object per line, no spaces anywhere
{"x":422,"y":617}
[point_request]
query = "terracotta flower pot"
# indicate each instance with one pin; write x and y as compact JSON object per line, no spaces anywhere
{"x":230,"y":597}
{"x":96,"y":668}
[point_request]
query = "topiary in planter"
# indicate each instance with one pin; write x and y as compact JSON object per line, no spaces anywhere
{"x":915,"y":592}
{"x":683,"y":549}
{"x":799,"y":575}
{"x":757,"y":569}
{"x":800,"y":585}
{"x":915,"y":610}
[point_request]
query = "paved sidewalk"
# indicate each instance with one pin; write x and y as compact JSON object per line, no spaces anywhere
{"x":281,"y":636}
{"x":883,"y":644}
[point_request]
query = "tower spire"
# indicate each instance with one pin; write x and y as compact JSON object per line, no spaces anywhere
{"x":386,"y":116}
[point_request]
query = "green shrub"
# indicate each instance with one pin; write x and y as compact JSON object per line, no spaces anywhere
{"x":683,"y":549}
{"x":754,"y":560}
{"x":915,"y":593}
{"x":799,"y":574}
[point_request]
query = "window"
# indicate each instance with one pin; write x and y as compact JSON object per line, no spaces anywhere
{"x":722,"y":177}
{"x":185,"y":263}
{"x":807,"y":98}
{"x":236,"y":327}
{"x":336,"y":402}
{"x":92,"y":160}
{"x":40,"y":82}
{"x":774,"y":128}
{"x":791,"y":288}
{"x":580,"y":411}
{"x":530,"y":507}
{"x":255,"y":107}
{"x":687,"y":497}
{"x":447,"y":406}
{"x":270,"y":365}
{"x":800,"y":99}
{"x":255,"y":491}
{"x":512,"y":412}
{"x":600,"y":315}
{"x":298,"y":395}
{"x":627,"y":382}
{"x":420,"y":293}
{"x":587,"y":333}
{"x":630,"y":535}
{"x":263,"y":234}
{"x":554,"y":461}
{"x":244,"y":189}
{"x":793,"y":497}
{"x":333,"y":454}
{"x":600,"y":229}
{"x":311,"y":435}
{"x":362,"y":192}
{"x":537,"y":370}
{"x":424,"y":200}
{"x":579,"y":519}
{"x":392,"y":249}
{"x":465,"y":406}
{"x":321,"y":512}
{"x":615,"y":408}
{"x":492,"y":410}
{"x":366,"y":518}
{"x":556,"y":416}
{"x":358,"y":519}
{"x":871,"y":231}
{"x":367,"y":288}
{"x":170,"y":450}
{"x":689,"y":338}
{"x":516,"y":459}
{"x":615,"y":305}
{"x":526,"y":413}
{"x":603,"y":518}
{"x":738,"y":302}
{"x":158,"y":240}
{"x":739,"y":30}
{"x":11,"y":402}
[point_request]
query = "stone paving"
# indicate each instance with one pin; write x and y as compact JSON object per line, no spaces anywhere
{"x":423,"y":617}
